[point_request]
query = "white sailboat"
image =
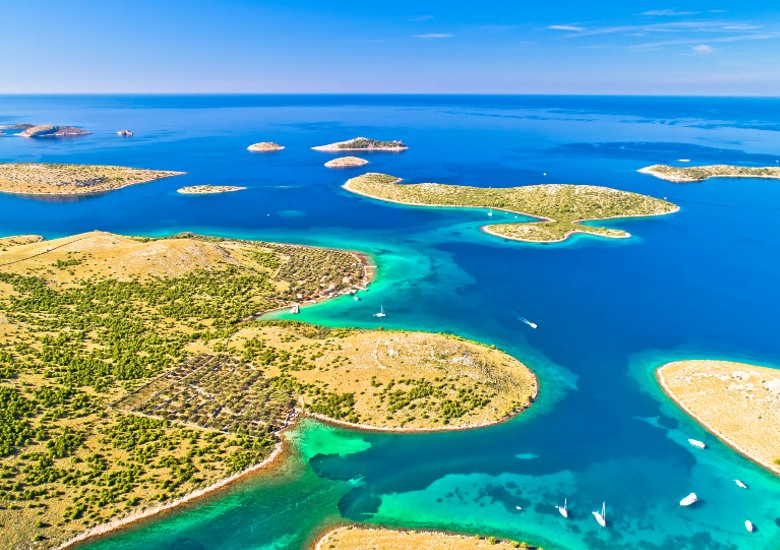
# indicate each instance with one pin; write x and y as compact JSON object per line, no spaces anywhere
{"x":295,"y":309}
{"x":381,"y":312}
{"x":356,"y":298}
{"x":601,"y":518}
{"x":564,"y":510}
{"x":740,"y":484}
{"x":690,"y":499}
{"x":749,"y":525}
{"x":697,"y":443}
{"x":490,"y":212}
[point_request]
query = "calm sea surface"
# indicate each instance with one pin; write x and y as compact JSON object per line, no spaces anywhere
{"x":701,"y":283}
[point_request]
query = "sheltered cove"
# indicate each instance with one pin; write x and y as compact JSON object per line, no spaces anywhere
{"x":737,"y":402}
{"x":144,"y":408}
{"x":561,"y":206}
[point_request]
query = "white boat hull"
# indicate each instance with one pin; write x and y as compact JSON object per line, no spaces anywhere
{"x":690,"y":499}
{"x":698,"y":444}
{"x":749,"y":525}
{"x":600,"y":519}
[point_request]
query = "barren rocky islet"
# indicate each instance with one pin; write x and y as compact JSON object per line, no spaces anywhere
{"x":72,"y":179}
{"x":691,"y":174}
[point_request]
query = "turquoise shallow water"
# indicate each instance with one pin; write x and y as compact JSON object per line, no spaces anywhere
{"x":698,"y":283}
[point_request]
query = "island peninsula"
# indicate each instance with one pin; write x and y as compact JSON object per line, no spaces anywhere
{"x":370,"y":538}
{"x":737,"y":402}
{"x":690,"y":174}
{"x":134,"y":374}
{"x":72,"y":179}
{"x":561,"y":206}
{"x":208,"y":189}
{"x":362,"y":144}
{"x":50,"y":131}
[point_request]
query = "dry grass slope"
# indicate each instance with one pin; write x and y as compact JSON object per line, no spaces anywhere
{"x":561,"y":206}
{"x":363,"y":538}
{"x":87,"y":320}
{"x":737,"y":402}
{"x":132,"y":373}
{"x":688,"y":174}
{"x":72,"y":179}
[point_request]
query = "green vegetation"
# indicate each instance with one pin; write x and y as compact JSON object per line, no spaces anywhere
{"x":80,"y":444}
{"x":686,"y":174}
{"x":562,"y":206}
{"x":132,"y":373}
{"x":72,"y":179}
{"x":363,"y":144}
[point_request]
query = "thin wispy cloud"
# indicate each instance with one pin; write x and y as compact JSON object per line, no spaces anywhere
{"x":569,"y":28}
{"x":434,"y":35}
{"x":693,"y":42}
{"x":420,"y":18}
{"x":671,"y":27}
{"x":672,"y":12}
{"x":702,"y":49}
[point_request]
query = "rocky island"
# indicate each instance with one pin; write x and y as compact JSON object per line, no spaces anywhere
{"x":72,"y":179}
{"x":346,"y":162}
{"x":48,"y":130}
{"x":690,"y":174}
{"x":362,"y":144}
{"x":265,"y":147}
{"x":562,"y":207}
{"x":370,"y":538}
{"x":739,"y":403}
{"x":208,"y":189}
{"x":166,"y":386}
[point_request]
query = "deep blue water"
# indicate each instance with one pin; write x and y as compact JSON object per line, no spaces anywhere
{"x":698,"y":283}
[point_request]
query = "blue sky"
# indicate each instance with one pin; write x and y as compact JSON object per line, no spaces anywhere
{"x":716,"y":47}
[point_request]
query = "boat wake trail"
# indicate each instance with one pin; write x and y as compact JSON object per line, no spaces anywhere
{"x":527,"y":322}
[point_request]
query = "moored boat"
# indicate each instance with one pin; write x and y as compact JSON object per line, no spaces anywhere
{"x":564,"y":510}
{"x":697,"y":443}
{"x":690,"y":499}
{"x":740,"y":484}
{"x":749,"y":526}
{"x":601,"y":518}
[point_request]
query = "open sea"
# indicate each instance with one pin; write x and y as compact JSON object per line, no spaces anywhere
{"x":700,"y":283}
